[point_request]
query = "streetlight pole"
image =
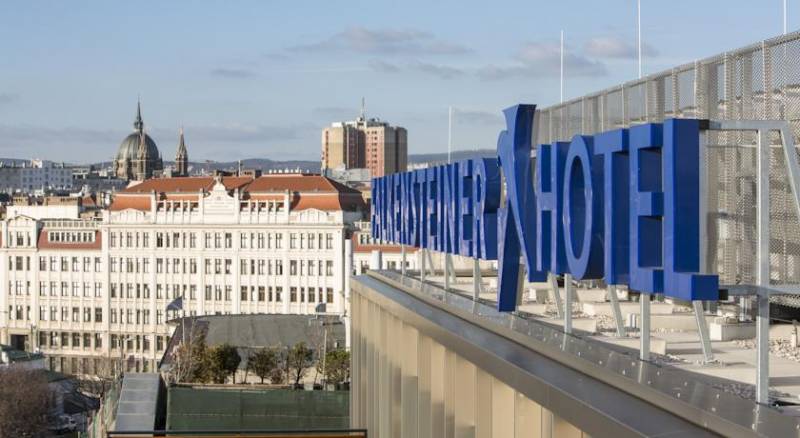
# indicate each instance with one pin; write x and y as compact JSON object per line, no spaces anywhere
{"x":639,"y":34}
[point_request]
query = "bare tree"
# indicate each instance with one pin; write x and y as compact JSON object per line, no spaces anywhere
{"x":298,"y":359}
{"x":24,"y":401}
{"x":264,"y":362}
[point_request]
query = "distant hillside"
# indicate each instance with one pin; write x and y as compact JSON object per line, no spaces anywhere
{"x":456,"y":155}
{"x":304,"y":165}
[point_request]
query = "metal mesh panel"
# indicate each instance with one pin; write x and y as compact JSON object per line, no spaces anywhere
{"x":759,"y":82}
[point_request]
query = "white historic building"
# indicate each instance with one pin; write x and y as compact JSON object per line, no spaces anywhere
{"x":93,"y":293}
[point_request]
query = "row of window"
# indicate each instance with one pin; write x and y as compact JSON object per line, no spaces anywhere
{"x":134,"y":316}
{"x":55,"y":313}
{"x":57,"y":264}
{"x":71,"y":236}
{"x":64,"y":289}
{"x":220,"y":240}
{"x":48,"y":339}
{"x":306,"y":295}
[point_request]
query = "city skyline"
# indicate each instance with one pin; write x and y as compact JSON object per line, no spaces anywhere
{"x":258,"y":82}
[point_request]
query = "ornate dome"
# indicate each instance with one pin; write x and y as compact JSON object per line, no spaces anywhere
{"x":129,"y":163}
{"x":129,"y":148}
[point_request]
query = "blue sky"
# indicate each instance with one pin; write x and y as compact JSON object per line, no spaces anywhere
{"x":259,"y":79}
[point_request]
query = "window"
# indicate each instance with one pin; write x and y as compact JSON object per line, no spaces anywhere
{"x":228,"y":240}
{"x":113,"y":317}
{"x":292,"y":267}
{"x":244,"y":293}
{"x":42,"y":263}
{"x":293,"y":294}
{"x":98,"y":314}
{"x":328,"y":268}
{"x":328,"y":241}
{"x":261,"y":293}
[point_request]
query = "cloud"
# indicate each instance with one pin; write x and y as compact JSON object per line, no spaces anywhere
{"x":331,"y":113}
{"x":384,"y":42}
{"x":477,"y":117}
{"x":384,"y":67}
{"x":616,"y":47}
{"x":232,"y":73}
{"x":438,"y":70}
{"x":224,"y":134}
{"x":541,"y":59}
{"x":87,"y":144}
{"x":6,"y":98}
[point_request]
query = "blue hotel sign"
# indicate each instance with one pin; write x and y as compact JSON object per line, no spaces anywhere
{"x":623,"y":205}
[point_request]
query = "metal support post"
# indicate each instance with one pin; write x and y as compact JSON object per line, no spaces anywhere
{"x":612,"y":296}
{"x":763,"y":268}
{"x":446,"y":271}
{"x":476,"y":280}
{"x":403,"y":260}
{"x":451,"y":267}
{"x":762,"y":346}
{"x":567,"y":303}
{"x":702,"y":330}
{"x":421,"y":253}
{"x":644,"y":327}
{"x":377,"y":260}
{"x":556,"y":295}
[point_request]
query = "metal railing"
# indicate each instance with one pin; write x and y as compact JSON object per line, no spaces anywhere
{"x":757,"y":82}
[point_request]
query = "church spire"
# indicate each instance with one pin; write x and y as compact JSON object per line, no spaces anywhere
{"x":142,"y":169}
{"x":182,"y":158}
{"x":138,"y":124}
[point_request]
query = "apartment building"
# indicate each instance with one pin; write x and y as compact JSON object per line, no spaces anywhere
{"x":92,"y":294}
{"x":365,"y":143}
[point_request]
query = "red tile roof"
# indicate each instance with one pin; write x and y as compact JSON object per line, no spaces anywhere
{"x":136,"y":202}
{"x":306,"y":191}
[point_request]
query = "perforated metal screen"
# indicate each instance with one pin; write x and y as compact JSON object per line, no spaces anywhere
{"x":759,"y":82}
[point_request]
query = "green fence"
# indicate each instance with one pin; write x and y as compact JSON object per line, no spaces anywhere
{"x":246,"y":409}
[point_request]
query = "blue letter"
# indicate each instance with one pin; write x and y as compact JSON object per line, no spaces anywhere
{"x":583,"y":210}
{"x":517,"y":221}
{"x":466,"y":212}
{"x":613,"y":146}
{"x":486,"y":199}
{"x":647,"y":206}
{"x":682,"y":214}
{"x":550,"y":207}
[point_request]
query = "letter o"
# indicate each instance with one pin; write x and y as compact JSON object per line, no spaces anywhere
{"x":583,"y":210}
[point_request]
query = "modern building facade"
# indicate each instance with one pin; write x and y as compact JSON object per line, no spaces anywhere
{"x":92,"y":293}
{"x":365,"y":143}
{"x":38,"y":175}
